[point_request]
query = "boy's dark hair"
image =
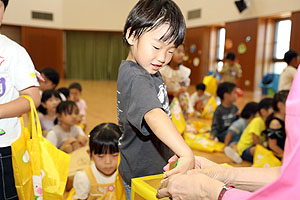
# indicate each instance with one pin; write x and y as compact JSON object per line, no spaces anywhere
{"x":150,"y":14}
{"x":104,"y":139}
{"x":47,"y":94}
{"x":51,"y":74}
{"x":5,"y":2}
{"x":201,"y":86}
{"x":265,"y":103}
{"x":289,"y":55}
{"x":66,"y":107}
{"x":249,"y":110}
{"x":230,"y":56}
{"x":225,"y":87}
{"x":76,"y":85}
{"x":280,"y":96}
{"x":65,"y":91}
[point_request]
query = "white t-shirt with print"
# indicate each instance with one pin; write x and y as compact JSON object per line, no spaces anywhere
{"x":16,"y":74}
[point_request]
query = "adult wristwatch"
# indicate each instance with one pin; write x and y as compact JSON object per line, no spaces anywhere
{"x":225,"y":188}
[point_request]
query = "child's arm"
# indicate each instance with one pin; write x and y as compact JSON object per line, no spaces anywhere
{"x":215,"y":125}
{"x":20,"y":105}
{"x":255,"y":139}
{"x":274,"y":147}
{"x":164,"y":129}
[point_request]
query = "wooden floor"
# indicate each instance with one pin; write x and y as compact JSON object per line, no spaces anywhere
{"x":101,"y":99}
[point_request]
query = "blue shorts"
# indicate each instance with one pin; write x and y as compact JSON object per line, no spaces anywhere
{"x":246,"y":155}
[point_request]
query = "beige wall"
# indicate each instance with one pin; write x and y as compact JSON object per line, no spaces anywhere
{"x":111,"y":14}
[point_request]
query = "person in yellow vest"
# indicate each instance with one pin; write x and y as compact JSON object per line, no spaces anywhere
{"x":98,"y":180}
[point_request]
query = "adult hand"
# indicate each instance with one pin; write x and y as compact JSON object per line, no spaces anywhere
{"x":218,"y":172}
{"x":190,"y":186}
{"x":200,"y":162}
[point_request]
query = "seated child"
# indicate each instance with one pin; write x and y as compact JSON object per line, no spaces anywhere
{"x":98,"y":180}
{"x":66,"y":135}
{"x":47,"y":109}
{"x":275,"y":123}
{"x":64,"y":93}
{"x":176,"y":78}
{"x":51,"y":79}
{"x":236,"y":129}
{"x":75,"y":95}
{"x":199,"y":98}
{"x":252,"y":135}
{"x":226,"y":113}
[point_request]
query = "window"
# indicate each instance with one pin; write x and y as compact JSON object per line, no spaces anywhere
{"x":220,"y":48}
{"x":281,"y":43}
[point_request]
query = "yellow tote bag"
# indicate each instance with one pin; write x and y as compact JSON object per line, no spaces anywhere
{"x":209,"y":109}
{"x":264,"y":158}
{"x":211,"y":84}
{"x":177,"y":115}
{"x":49,"y":166}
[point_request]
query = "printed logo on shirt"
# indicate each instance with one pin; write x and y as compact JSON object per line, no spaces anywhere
{"x":2,"y":132}
{"x":1,"y":60}
{"x":163,"y":98}
{"x":2,"y":86}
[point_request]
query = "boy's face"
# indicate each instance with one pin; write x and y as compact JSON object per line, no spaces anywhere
{"x":295,"y":61}
{"x":149,"y":51}
{"x":1,"y":11}
{"x":47,"y":84}
{"x":178,"y":55}
{"x":75,"y":94}
{"x":231,"y":97}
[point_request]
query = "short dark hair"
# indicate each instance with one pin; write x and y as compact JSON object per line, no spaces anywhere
{"x":5,"y":2}
{"x":147,"y":15}
{"x":51,"y":74}
{"x":280,"y":96}
{"x":75,"y":85}
{"x":65,"y":91}
{"x":47,"y":94}
{"x":249,"y":110}
{"x":201,"y":86}
{"x":230,"y":56}
{"x":265,"y":103}
{"x":289,"y":55}
{"x":225,"y":87}
{"x":66,"y":107}
{"x":104,"y":139}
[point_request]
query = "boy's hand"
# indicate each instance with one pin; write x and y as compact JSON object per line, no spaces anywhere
{"x":82,"y":140}
{"x":184,"y":164}
{"x":70,"y":140}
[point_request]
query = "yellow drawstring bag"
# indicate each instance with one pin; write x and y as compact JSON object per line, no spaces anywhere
{"x":264,"y":158}
{"x":211,"y":84}
{"x":201,"y":142}
{"x":40,"y":169}
{"x":177,"y":115}
{"x":209,"y":109}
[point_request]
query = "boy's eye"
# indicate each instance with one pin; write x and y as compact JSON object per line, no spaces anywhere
{"x":157,"y":48}
{"x":170,"y":52}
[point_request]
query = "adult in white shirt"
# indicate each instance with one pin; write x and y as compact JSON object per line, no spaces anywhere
{"x":287,"y":76}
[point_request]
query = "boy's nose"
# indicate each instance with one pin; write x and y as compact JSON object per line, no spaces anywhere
{"x":161,"y":57}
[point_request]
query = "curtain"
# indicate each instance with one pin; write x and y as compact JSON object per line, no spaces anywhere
{"x":94,"y":55}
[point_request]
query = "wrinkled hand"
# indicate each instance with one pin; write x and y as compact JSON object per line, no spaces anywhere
{"x":218,"y":172}
{"x":189,"y":186}
{"x":184,"y":164}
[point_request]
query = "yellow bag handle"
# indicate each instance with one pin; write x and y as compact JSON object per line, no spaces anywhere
{"x":34,"y":125}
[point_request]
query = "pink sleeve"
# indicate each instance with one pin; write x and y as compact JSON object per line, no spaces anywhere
{"x":233,"y":194}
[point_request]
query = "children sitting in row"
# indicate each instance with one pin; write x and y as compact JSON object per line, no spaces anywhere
{"x":66,"y":135}
{"x":275,"y":124}
{"x":98,"y":180}
{"x":252,"y":135}
{"x":226,"y":112}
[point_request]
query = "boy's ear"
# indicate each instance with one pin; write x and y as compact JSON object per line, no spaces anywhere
{"x":130,"y":38}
